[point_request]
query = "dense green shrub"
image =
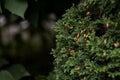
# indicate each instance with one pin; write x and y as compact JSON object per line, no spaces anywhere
{"x":88,"y":42}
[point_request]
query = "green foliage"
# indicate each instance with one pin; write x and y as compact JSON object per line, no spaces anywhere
{"x":18,"y":71}
{"x":51,"y":76}
{"x":88,"y":42}
{"x":17,"y":7}
{"x":5,"y":75}
{"x":14,"y":72}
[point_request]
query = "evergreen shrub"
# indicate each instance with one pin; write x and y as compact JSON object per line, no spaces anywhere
{"x":88,"y":42}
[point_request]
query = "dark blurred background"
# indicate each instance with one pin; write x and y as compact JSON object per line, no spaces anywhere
{"x":29,"y":41}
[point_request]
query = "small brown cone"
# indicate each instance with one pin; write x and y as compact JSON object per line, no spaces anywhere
{"x":78,"y":68}
{"x":72,"y":52}
{"x":117,"y":44}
